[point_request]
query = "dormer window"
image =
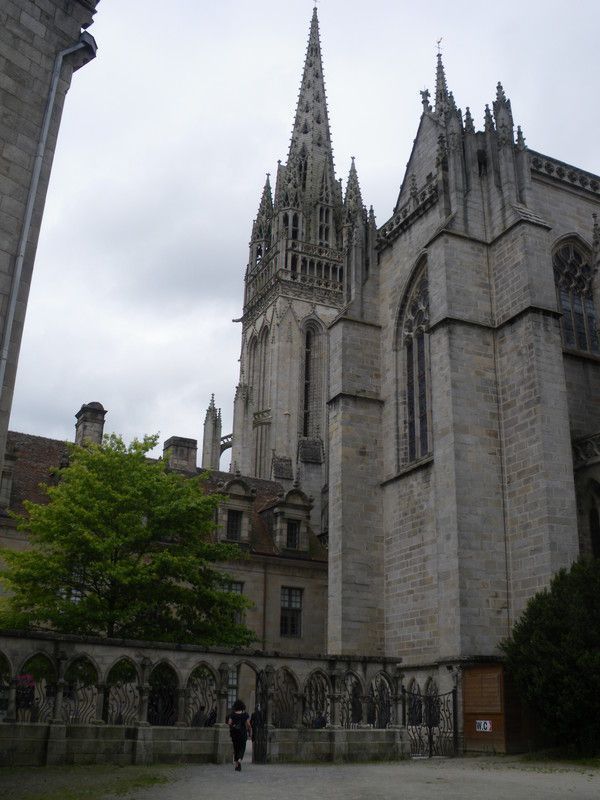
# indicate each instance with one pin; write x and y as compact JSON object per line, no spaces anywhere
{"x":292,"y":541}
{"x":234,"y":525}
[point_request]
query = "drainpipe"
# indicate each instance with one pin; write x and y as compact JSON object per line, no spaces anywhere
{"x":86,"y":42}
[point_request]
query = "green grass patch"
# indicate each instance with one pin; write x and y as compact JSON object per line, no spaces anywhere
{"x":81,"y":782}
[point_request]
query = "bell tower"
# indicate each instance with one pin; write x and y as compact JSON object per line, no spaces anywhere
{"x":297,"y":282}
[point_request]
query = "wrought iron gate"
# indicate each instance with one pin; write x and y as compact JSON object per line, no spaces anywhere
{"x":260,"y":730}
{"x":431,"y":721}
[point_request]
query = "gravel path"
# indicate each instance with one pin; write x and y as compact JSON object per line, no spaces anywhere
{"x":460,"y":779}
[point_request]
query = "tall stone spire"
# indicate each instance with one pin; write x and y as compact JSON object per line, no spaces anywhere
{"x":310,"y":157}
{"x":441,"y":87}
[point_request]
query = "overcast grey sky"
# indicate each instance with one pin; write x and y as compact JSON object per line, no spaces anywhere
{"x":165,"y":141}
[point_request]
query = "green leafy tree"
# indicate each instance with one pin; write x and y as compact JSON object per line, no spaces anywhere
{"x":123,"y":548}
{"x":553,"y":654}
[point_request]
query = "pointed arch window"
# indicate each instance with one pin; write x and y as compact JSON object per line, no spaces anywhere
{"x":573,"y":275}
{"x":312,"y":382}
{"x":415,"y":358}
{"x":324,"y":222}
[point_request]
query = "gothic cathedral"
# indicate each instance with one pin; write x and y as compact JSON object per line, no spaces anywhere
{"x":433,"y":383}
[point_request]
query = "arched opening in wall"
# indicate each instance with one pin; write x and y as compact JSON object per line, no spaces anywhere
{"x":162,"y":697}
{"x":414,"y":704}
{"x":80,"y":697}
{"x":414,"y":370}
{"x":351,"y":701}
{"x":4,"y":686}
{"x":241,"y":685}
{"x":36,"y":690}
{"x":379,"y":703}
{"x":201,"y":711}
{"x":316,"y":712}
{"x":573,"y":276}
{"x":285,"y":692}
{"x":121,"y":696}
{"x":431,"y":704}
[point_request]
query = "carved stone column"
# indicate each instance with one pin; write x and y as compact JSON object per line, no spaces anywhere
{"x":222,"y":694}
{"x":270,"y":673}
{"x":60,"y":689}
{"x":181,"y":708}
{"x":299,"y":701}
{"x":101,"y":690}
{"x":398,"y":697}
{"x":11,"y":711}
{"x":335,"y":697}
{"x":144,"y":692}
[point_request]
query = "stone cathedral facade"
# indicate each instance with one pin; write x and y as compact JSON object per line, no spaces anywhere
{"x":433,"y":382}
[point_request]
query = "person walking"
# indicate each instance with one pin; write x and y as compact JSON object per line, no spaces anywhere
{"x":239,"y":730}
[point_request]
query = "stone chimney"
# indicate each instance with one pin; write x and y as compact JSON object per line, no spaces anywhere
{"x":90,"y":424}
{"x":181,"y":453}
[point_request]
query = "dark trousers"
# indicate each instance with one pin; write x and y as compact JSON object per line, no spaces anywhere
{"x":239,"y":745}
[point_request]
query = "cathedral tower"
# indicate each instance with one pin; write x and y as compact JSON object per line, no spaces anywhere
{"x":297,"y":281}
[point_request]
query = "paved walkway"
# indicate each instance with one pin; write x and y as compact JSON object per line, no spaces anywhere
{"x":456,"y":779}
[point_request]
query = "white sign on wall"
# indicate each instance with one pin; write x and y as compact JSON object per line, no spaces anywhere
{"x":483,"y":725}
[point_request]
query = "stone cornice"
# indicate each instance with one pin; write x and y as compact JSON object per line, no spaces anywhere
{"x":564,"y":173}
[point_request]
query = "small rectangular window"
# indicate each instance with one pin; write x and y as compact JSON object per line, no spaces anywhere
{"x":234,"y":525}
{"x":238,"y":588}
{"x":232,"y":686}
{"x":292,"y":541}
{"x":291,"y":612}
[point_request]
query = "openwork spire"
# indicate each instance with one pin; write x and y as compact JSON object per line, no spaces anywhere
{"x":310,"y":154}
{"x":261,"y":227}
{"x":353,"y":203}
{"x":441,"y":87}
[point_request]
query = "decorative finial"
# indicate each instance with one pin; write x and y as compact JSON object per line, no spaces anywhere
{"x":500,"y":95}
{"x":489,"y":121}
{"x":425,"y":95}
{"x":439,"y":45}
{"x":520,"y":138}
{"x":469,"y":125}
{"x":413,"y":185}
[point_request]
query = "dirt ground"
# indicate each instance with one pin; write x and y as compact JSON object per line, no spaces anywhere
{"x":498,"y":778}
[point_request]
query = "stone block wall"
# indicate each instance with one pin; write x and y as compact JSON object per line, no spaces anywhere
{"x":410,"y":567}
{"x":355,"y":602}
{"x":541,"y":526}
{"x":32,"y":32}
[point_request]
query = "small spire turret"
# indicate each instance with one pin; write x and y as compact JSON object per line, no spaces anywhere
{"x":469,"y":125}
{"x":353,"y":202}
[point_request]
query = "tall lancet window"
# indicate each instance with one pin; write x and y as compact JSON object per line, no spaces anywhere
{"x":573,"y":275}
{"x":311,"y":384}
{"x":324,"y":223}
{"x":415,"y":366}
{"x":262,"y":371}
